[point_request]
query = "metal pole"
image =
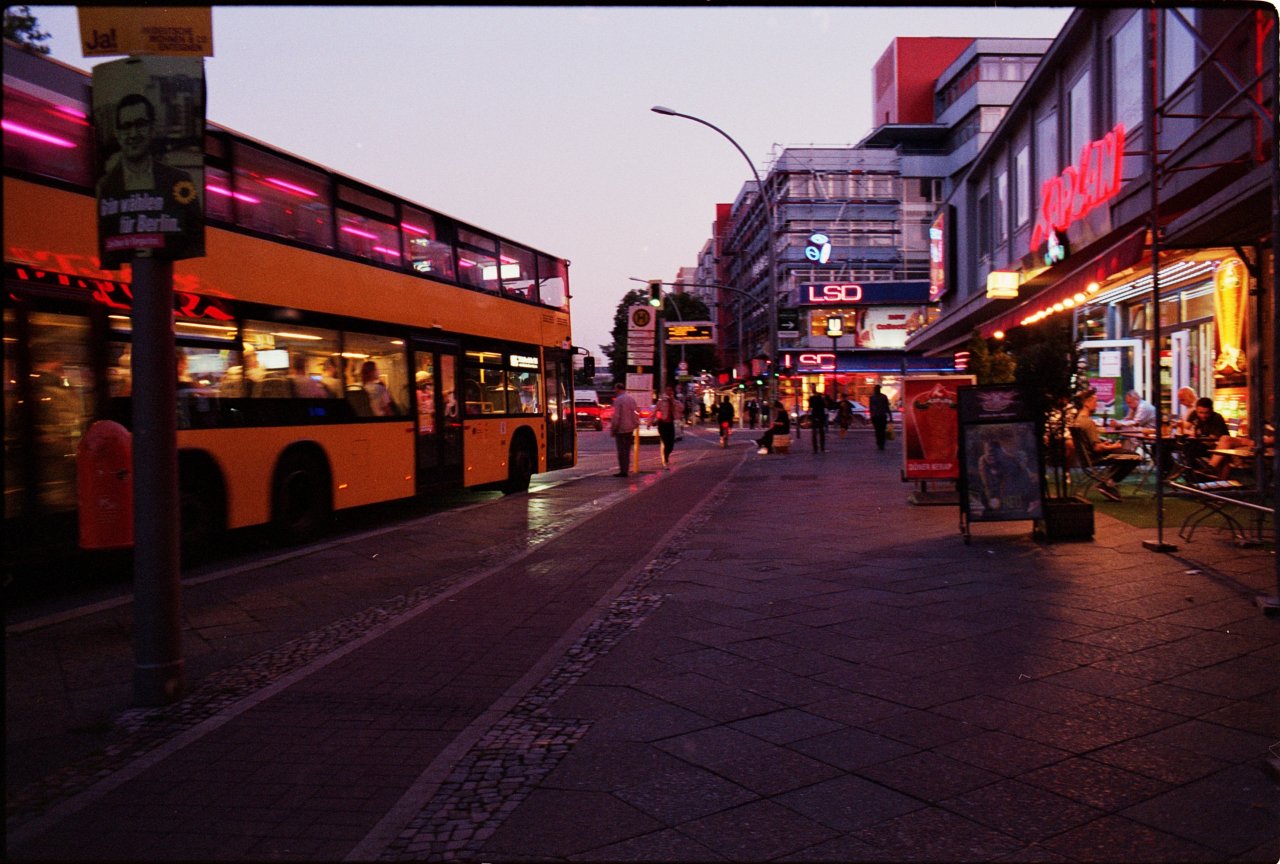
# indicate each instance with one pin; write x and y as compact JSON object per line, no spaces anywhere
{"x":771,"y":346}
{"x":1153,"y":178}
{"x":1271,"y":605}
{"x":158,"y":670}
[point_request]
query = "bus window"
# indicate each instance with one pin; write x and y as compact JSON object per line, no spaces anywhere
{"x":49,"y":138}
{"x":553,"y":283}
{"x":369,"y":238}
{"x":478,"y":260}
{"x":277,"y":196}
{"x":517,"y":272}
{"x":381,"y":378}
{"x":62,"y":399}
{"x":426,"y":246}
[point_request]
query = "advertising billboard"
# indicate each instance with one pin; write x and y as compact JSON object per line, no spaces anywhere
{"x":149,"y":116}
{"x":930,"y":447}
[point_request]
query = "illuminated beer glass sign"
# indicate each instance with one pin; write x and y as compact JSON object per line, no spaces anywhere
{"x":835,"y":293}
{"x":1094,"y":179}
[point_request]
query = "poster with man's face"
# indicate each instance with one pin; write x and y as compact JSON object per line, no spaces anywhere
{"x":148,"y":113}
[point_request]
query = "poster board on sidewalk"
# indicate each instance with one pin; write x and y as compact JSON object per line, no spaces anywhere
{"x":929,"y":426}
{"x":1001,"y":459}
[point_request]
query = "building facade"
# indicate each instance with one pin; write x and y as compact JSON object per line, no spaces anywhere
{"x":850,"y":228}
{"x":1143,"y":209}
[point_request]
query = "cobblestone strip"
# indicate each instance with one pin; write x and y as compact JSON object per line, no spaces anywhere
{"x":527,"y":744}
{"x":145,"y":729}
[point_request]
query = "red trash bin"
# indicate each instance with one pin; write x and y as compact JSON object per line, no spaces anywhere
{"x":104,"y":484}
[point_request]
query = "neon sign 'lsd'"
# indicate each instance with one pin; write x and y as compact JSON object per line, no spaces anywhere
{"x":1081,"y":187}
{"x":835,"y":293}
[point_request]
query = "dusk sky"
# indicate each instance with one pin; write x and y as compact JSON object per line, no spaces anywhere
{"x":534,"y":122}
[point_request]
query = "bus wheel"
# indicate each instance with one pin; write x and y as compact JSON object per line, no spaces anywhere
{"x":300,"y":504}
{"x":519,"y":471}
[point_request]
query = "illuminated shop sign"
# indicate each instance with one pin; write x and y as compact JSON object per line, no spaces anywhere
{"x":887,"y":292}
{"x":524,"y":361}
{"x":816,"y":361}
{"x":1094,"y":179}
{"x":1002,"y":284}
{"x":938,"y":257}
{"x":819,"y":248}
{"x":834,"y":293}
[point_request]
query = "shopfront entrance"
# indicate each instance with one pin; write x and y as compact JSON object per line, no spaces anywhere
{"x":1114,"y":367}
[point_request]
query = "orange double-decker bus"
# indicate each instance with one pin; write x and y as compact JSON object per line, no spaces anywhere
{"x":337,"y":346}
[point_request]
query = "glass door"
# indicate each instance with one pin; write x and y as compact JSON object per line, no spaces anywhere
{"x":1114,"y":367}
{"x":438,"y":422}
{"x":559,"y":410}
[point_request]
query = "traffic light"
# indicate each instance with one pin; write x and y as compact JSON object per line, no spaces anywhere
{"x":589,"y":366}
{"x":655,"y":292}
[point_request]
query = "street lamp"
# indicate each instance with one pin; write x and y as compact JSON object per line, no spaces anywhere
{"x":771,"y":346}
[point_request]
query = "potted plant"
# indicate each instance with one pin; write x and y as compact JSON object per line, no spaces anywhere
{"x":1048,"y":359}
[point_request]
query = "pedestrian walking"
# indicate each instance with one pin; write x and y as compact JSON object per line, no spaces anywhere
{"x":667,"y":411}
{"x":753,"y":412}
{"x":623,"y":425}
{"x":724,"y":415}
{"x":818,"y":422}
{"x":844,"y":414}
{"x":879,"y":408}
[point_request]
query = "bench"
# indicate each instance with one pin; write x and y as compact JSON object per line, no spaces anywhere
{"x":1219,"y":498}
{"x":782,"y":444}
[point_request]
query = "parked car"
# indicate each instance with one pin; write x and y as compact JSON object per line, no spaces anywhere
{"x":588,"y":413}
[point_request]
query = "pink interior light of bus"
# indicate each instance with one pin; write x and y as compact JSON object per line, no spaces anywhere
{"x":36,"y":134}
{"x":289,"y":187}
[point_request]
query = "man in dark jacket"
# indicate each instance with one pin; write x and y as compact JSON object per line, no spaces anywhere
{"x":879,"y":410}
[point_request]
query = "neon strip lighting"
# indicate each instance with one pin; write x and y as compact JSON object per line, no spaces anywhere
{"x":359,"y":233}
{"x":289,"y":187}
{"x":36,"y":134}
{"x":71,"y":112}
{"x":414,"y":229}
{"x":239,"y":196}
{"x":221,"y":328}
{"x":307,"y":336}
{"x":390,"y":253}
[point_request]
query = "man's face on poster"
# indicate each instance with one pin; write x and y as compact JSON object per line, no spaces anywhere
{"x":133,"y":129}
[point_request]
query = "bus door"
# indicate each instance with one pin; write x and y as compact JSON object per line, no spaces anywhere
{"x":560,"y":426}
{"x":438,"y":419}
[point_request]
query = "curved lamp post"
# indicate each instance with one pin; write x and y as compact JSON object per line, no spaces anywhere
{"x":771,"y":345}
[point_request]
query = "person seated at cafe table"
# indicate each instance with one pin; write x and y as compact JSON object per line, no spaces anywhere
{"x":1140,"y":416}
{"x":1187,"y":404}
{"x":1100,"y":451}
{"x":1221,"y":464}
{"x":1204,"y":427}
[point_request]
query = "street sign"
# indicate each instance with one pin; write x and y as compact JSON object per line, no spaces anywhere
{"x":689,"y":333}
{"x":789,"y":323}
{"x":176,"y":31}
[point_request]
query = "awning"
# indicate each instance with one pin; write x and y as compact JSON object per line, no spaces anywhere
{"x":1048,"y":291}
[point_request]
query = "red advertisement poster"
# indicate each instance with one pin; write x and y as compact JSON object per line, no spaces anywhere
{"x":930,"y":426}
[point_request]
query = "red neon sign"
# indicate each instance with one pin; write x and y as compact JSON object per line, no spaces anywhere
{"x":1081,"y":187}
{"x":825,"y":361}
{"x":835,"y":293}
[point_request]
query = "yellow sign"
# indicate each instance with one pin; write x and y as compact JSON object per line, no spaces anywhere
{"x":1002,"y":283}
{"x":184,"y":31}
{"x":690,"y":333}
{"x":1230,"y":281}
